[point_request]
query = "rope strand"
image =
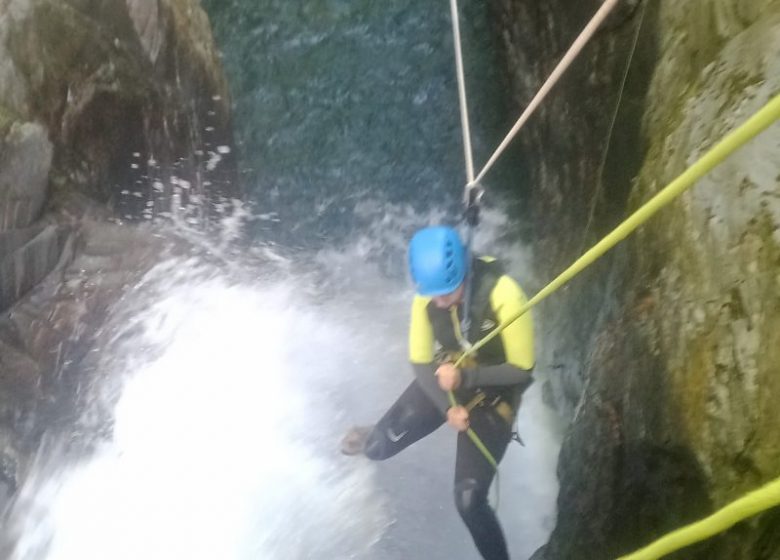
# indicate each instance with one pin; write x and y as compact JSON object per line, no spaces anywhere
{"x":464,"y":109}
{"x":563,"y":65}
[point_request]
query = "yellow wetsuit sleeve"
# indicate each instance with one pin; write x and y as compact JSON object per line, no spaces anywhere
{"x":506,"y":299}
{"x":420,"y":332}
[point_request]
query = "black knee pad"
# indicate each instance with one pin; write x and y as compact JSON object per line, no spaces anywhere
{"x":403,"y":419}
{"x":470,"y":496}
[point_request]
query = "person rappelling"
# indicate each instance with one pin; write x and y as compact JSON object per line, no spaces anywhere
{"x":489,"y":383}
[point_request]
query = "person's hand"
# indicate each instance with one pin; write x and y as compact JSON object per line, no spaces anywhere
{"x":458,"y":418}
{"x":449,"y":377}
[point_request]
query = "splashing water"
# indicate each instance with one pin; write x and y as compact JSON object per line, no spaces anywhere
{"x":225,"y":436}
{"x":215,"y":439}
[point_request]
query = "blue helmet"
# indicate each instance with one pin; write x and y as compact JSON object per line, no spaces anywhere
{"x":437,"y":260}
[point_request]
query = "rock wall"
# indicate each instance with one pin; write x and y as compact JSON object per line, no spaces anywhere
{"x":130,"y":94}
{"x":665,"y":355}
{"x":110,"y":111}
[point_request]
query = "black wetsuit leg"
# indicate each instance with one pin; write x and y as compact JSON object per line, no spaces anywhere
{"x":473,"y":476}
{"x":411,"y":418}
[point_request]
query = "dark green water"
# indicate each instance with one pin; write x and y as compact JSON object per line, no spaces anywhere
{"x":339,"y":102}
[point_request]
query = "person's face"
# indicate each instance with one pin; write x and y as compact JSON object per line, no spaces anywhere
{"x":448,"y":300}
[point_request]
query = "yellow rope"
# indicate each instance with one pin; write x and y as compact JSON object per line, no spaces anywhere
{"x":755,"y":502}
{"x":729,"y":144}
{"x":475,"y":439}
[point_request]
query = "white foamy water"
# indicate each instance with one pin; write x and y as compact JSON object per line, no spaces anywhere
{"x":215,"y":444}
{"x":225,"y":441}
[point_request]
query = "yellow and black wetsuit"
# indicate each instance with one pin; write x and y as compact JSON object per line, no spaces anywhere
{"x":491,"y":388}
{"x":502,"y":366}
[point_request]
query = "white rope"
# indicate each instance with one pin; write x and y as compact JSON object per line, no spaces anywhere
{"x":464,"y":109}
{"x":563,"y":65}
{"x":464,"y":124}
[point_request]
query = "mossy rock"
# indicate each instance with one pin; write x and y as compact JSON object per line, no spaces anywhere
{"x":7,"y":118}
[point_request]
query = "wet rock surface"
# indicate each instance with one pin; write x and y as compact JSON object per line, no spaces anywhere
{"x":664,"y":354}
{"x":111,"y":112}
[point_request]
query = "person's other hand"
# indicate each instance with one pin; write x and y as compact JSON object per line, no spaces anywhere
{"x":458,"y":418}
{"x":449,"y":377}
